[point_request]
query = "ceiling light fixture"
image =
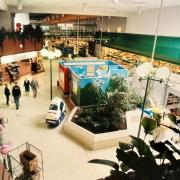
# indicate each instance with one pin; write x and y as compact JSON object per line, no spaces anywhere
{"x":139,"y":10}
{"x":20,"y":4}
{"x":140,"y":2}
{"x":84,"y":6}
{"x":115,"y":1}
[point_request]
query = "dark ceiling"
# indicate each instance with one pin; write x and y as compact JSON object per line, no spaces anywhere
{"x":37,"y":16}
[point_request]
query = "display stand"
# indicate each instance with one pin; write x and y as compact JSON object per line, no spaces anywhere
{"x":37,"y":65}
{"x":18,"y":69}
{"x":131,"y":60}
{"x":25,"y":162}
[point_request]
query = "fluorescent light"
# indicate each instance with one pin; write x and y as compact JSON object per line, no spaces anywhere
{"x":115,"y":1}
{"x":84,"y":7}
{"x":139,"y":10}
{"x":162,"y":72}
{"x":144,"y":69}
{"x":20,"y":4}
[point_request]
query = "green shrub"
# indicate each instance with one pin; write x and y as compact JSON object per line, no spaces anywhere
{"x":109,"y":114}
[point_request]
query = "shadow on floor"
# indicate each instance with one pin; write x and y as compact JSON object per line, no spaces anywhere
{"x":74,"y":141}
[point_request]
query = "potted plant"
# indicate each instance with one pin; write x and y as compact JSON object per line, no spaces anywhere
{"x":138,"y":160}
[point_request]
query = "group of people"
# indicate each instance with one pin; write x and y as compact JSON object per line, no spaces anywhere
{"x":16,"y":91}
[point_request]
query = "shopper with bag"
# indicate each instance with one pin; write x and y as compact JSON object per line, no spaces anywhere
{"x":7,"y":94}
{"x":34,"y":87}
{"x":16,"y":92}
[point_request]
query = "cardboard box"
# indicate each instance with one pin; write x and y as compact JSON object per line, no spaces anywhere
{"x":36,"y":176}
{"x":29,"y":161}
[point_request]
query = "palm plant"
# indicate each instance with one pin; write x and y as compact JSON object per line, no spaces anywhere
{"x":138,"y":160}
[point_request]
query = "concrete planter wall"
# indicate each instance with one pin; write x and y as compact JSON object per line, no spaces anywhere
{"x":103,"y":140}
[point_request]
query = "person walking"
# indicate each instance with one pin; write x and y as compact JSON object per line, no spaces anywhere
{"x":16,"y":92}
{"x":27,"y":86}
{"x":34,"y":87}
{"x":11,"y":76}
{"x":7,"y":94}
{"x":3,"y":122}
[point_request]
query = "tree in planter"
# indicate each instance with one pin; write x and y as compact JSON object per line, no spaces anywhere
{"x":93,"y":92}
{"x":111,"y":106}
{"x":125,"y":96}
{"x":137,"y":161}
{"x":96,"y":119}
{"x":120,"y":98}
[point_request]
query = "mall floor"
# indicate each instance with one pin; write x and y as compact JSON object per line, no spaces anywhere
{"x":64,"y":159}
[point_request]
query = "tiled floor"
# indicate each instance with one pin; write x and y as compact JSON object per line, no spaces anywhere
{"x":64,"y":159}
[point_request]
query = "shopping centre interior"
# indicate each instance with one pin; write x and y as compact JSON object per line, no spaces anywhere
{"x":103,"y":97}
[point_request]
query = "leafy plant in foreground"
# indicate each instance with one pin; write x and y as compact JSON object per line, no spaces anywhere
{"x":138,"y":160}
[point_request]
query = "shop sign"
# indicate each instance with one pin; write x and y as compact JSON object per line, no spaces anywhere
{"x":18,"y":57}
{"x":84,"y":63}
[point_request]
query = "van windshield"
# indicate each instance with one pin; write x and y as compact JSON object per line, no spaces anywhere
{"x":53,"y":107}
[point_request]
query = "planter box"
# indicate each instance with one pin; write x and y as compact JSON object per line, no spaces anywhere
{"x":103,"y":140}
{"x":12,"y":46}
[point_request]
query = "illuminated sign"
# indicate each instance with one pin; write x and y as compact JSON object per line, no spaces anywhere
{"x":18,"y":57}
{"x":84,"y":63}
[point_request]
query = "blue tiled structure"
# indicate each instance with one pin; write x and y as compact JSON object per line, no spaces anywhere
{"x":84,"y":73}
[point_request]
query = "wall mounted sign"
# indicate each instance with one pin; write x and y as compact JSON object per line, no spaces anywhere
{"x":84,"y":63}
{"x":18,"y":57}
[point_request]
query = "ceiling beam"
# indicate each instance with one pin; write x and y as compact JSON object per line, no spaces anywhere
{"x":75,"y":11}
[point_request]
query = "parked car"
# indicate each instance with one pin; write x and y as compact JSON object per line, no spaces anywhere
{"x":57,"y":111}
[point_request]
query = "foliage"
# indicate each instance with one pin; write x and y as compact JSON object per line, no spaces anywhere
{"x":93,"y":92}
{"x":137,"y":159}
{"x":38,"y":33}
{"x":111,"y":106}
{"x":2,"y":36}
{"x":149,"y":124}
{"x":128,"y":98}
{"x":28,"y":32}
{"x":117,"y":83}
{"x":96,"y":119}
{"x":31,"y":32}
{"x":155,"y":122}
